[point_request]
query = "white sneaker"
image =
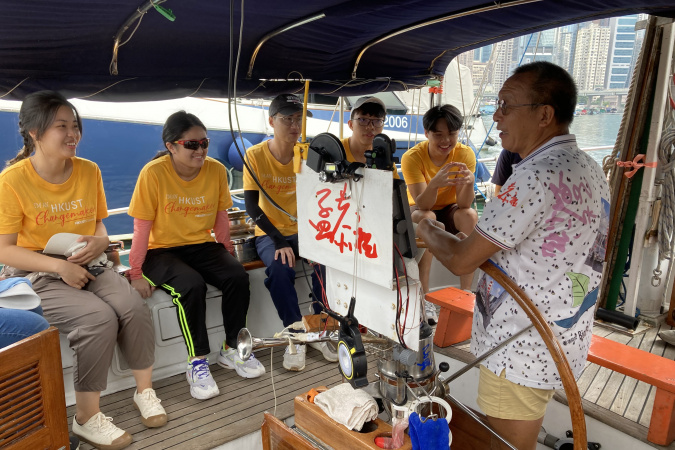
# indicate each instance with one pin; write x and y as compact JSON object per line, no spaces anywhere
{"x":327,"y":349}
{"x":100,"y":432}
{"x":432,"y":315}
{"x":251,"y":368}
{"x":202,"y":384}
{"x":152,"y":412}
{"x":295,"y":360}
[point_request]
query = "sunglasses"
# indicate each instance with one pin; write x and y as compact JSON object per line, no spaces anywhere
{"x":193,"y":144}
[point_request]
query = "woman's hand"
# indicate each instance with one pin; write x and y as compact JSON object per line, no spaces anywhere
{"x":95,"y":246}
{"x":287,"y":256}
{"x":74,"y":275}
{"x":143,"y":287}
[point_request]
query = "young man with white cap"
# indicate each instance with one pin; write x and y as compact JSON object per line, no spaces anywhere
{"x":366,"y":121}
{"x":276,"y":234}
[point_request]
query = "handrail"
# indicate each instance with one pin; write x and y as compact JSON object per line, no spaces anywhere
{"x":469,"y":12}
{"x":276,"y":32}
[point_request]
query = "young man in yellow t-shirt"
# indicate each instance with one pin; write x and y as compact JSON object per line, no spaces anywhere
{"x":439,"y":175}
{"x":366,"y":121}
{"x":276,"y":234}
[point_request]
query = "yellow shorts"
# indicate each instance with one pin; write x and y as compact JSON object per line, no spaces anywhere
{"x":503,"y":399}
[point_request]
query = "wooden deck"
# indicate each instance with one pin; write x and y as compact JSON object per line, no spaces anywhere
{"x":611,"y":397}
{"x":236,"y":412}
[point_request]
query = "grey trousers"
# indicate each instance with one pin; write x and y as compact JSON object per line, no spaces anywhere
{"x":106,"y":312}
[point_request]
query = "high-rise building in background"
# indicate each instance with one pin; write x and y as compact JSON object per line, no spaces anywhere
{"x":466,"y":59}
{"x":482,"y":54}
{"x":600,"y":54}
{"x":623,"y":51}
{"x":590,"y":56}
{"x":504,"y":63}
{"x":535,"y":47}
{"x":563,"y":42}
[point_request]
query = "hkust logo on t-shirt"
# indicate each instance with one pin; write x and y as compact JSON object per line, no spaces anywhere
{"x":278,"y":185}
{"x":62,"y":213}
{"x":188,"y":206}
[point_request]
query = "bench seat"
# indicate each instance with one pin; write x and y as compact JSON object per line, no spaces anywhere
{"x":457,"y":314}
{"x":644,"y":366}
{"x":170,"y":350}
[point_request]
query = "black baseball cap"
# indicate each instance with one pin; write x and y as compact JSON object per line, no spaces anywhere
{"x":286,"y":104}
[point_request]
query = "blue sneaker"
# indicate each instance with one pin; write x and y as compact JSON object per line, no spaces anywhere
{"x":202,"y":384}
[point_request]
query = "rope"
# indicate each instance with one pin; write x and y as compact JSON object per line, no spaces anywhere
{"x":667,"y":162}
{"x":609,"y":161}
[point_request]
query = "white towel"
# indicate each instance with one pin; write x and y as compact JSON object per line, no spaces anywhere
{"x":348,"y":406}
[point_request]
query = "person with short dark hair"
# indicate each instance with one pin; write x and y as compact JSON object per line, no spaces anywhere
{"x":276,"y":234}
{"x":180,"y":196}
{"x":440,"y":178}
{"x":550,"y":214}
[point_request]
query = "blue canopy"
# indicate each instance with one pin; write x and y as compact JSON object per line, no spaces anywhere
{"x":67,"y":45}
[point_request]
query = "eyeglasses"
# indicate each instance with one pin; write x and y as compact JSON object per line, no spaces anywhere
{"x":377,"y":123}
{"x":289,"y":121}
{"x":501,"y":104}
{"x":194,"y":144}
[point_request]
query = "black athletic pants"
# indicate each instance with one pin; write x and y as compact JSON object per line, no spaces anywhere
{"x":183,"y":273}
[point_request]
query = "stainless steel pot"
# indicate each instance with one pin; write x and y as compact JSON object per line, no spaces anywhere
{"x":238,"y":222}
{"x":244,"y":249}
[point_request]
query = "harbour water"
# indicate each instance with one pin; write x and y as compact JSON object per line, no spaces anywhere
{"x":591,"y":131}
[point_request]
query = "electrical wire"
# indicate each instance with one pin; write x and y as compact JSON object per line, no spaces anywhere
{"x":231,"y":98}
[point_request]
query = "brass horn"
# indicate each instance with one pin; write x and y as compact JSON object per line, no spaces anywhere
{"x":247,"y":344}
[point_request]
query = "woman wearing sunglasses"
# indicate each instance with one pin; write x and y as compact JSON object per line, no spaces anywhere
{"x":45,"y":190}
{"x":180,"y":196}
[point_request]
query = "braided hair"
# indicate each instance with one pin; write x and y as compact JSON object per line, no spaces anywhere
{"x":37,"y":114}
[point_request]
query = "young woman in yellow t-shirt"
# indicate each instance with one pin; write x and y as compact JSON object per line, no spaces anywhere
{"x":180,"y":196}
{"x":47,"y":190}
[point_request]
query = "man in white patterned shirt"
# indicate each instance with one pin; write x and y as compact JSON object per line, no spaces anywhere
{"x":541,"y":230}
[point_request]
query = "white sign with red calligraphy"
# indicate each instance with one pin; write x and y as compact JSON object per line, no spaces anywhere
{"x":347,"y":225}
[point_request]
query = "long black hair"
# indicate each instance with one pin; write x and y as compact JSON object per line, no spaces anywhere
{"x":175,"y":126}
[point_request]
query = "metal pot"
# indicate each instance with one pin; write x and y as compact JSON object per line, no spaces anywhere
{"x":238,"y":222}
{"x":244,"y":249}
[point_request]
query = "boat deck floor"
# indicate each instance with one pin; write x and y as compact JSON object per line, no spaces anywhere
{"x":613,"y":398}
{"x":235,"y":412}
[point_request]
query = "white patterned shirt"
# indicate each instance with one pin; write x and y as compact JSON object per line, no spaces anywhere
{"x":550,"y":220}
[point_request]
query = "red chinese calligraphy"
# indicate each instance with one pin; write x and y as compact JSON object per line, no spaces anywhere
{"x":335,"y":234}
{"x":509,"y":195}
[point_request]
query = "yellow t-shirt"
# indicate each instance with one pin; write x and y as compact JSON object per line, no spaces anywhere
{"x":278,"y":180}
{"x":183,"y":212}
{"x":350,"y":156}
{"x":418,"y":168}
{"x":37,"y":209}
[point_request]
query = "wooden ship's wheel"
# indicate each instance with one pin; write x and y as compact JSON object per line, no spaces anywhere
{"x":553,"y":346}
{"x":467,"y":432}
